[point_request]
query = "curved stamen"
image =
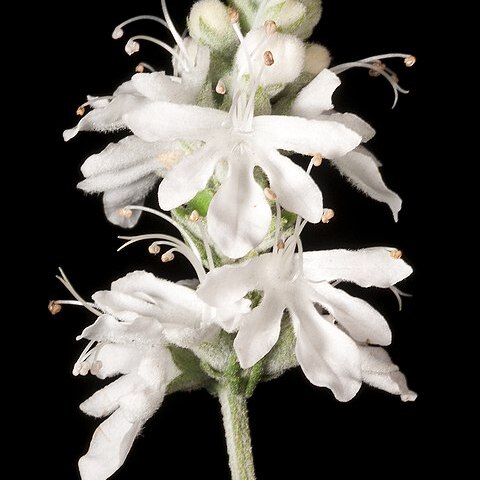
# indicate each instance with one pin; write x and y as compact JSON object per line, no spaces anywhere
{"x":91,"y":101}
{"x":208,"y":250}
{"x":118,"y":31}
{"x":63,"y":278}
{"x":398,"y":295}
{"x":142,"y":66}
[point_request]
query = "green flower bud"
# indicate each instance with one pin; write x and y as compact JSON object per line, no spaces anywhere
{"x":209,"y":24}
{"x":312,"y":17}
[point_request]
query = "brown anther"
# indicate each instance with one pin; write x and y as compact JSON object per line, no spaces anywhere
{"x":140,"y":68}
{"x":317,"y":159}
{"x":328,"y":214}
{"x":194,"y":216}
{"x":270,"y":194}
{"x":396,"y":254}
{"x":270,"y":27}
{"x":268,"y":59}
{"x":154,"y":249}
{"x":233,"y":15}
{"x":54,"y":307}
{"x":378,"y":68}
{"x":168,"y":257}
{"x":410,"y":61}
{"x":81,"y":111}
{"x":125,"y":213}
{"x":281,"y":245}
{"x":221,"y":89}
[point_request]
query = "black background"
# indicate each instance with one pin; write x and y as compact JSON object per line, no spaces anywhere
{"x":294,"y":424}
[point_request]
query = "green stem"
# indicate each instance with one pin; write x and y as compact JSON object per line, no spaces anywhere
{"x":237,"y":433}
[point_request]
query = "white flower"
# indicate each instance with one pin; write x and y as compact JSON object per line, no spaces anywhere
{"x":239,"y":214}
{"x":142,"y":316}
{"x":328,"y":355}
{"x":359,"y":166}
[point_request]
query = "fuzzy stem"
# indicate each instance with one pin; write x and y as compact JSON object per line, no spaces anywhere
{"x":237,"y":433}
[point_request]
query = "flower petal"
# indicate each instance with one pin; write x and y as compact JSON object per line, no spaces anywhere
{"x":351,"y":121}
{"x":295,"y":189}
{"x":106,"y":119}
{"x":360,"y":319}
{"x":230,"y":283}
{"x":115,"y":359}
{"x":157,"y":86}
{"x":379,"y":371}
{"x":361,"y":169}
{"x":239,"y":215}
{"x":307,"y":137}
{"x":109,"y":447}
{"x":328,"y":357}
{"x":168,"y":121}
{"x":187,"y":178}
{"x":316,"y":97}
{"x":259,"y":331}
{"x":368,"y":267}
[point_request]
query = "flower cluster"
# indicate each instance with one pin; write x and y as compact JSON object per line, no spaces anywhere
{"x":231,"y":137}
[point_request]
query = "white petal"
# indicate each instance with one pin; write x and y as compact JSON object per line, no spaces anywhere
{"x":361,"y":169}
{"x":353,"y":122}
{"x":126,"y":153}
{"x":187,"y":178}
{"x":106,"y":401}
{"x":360,"y":319}
{"x":307,"y":137}
{"x":379,"y":371}
{"x":368,"y":267}
{"x":114,"y":359}
{"x":316,"y":97}
{"x":157,"y":86}
{"x":109,"y":447}
{"x":168,"y":121}
{"x":295,"y":189}
{"x":229,"y":316}
{"x":228,"y":284}
{"x":328,"y":357}
{"x":108,"y":118}
{"x":259,"y":331}
{"x":239,"y":216}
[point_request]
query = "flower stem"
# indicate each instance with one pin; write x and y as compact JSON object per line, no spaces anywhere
{"x":237,"y":433}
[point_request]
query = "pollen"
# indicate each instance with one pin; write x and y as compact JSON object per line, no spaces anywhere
{"x":410,"y":61}
{"x":317,"y":159}
{"x":125,"y":213}
{"x":328,"y":214}
{"x":154,"y":249}
{"x":270,"y":27}
{"x":233,"y":15}
{"x":270,"y":194}
{"x":168,"y":257}
{"x":268,"y":59}
{"x":194,"y":216}
{"x":54,"y":308}
{"x":221,"y":89}
{"x":396,"y":254}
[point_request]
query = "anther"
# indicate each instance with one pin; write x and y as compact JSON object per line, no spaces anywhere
{"x":154,"y":249}
{"x":281,"y":245}
{"x":54,"y":308}
{"x":378,"y":67}
{"x":396,"y":254}
{"x":81,"y":111}
{"x":270,"y":194}
{"x":117,"y":33}
{"x":410,"y":61}
{"x":96,"y":367}
{"x":327,"y":215}
{"x":221,"y":89}
{"x":233,"y":15}
{"x":125,"y":213}
{"x":317,"y":159}
{"x":168,"y":257}
{"x":132,"y":47}
{"x":140,"y":68}
{"x":194,"y":216}
{"x":268,"y":59}
{"x":270,"y":27}
{"x":85,"y":369}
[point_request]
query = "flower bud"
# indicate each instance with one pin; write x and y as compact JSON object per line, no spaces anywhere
{"x":312,"y":17}
{"x":210,"y":24}
{"x":317,"y":58}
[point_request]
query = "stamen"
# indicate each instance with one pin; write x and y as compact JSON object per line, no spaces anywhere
{"x":118,"y":31}
{"x":194,"y":216}
{"x":375,"y":72}
{"x":221,"y":89}
{"x":168,"y":256}
{"x":327,"y":215}
{"x":125,"y":213}
{"x":206,"y":244}
{"x":96,"y":367}
{"x":80,"y":111}
{"x":398,"y":295}
{"x":54,"y":308}
{"x":154,"y":249}
{"x":270,"y":194}
{"x":85,"y":368}
{"x":233,"y":15}
{"x":82,"y":108}
{"x":396,"y":254}
{"x":281,"y":245}
{"x":268,"y":59}
{"x":317,"y":159}
{"x":270,"y":27}
{"x":410,"y":61}
{"x":142,"y":66}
